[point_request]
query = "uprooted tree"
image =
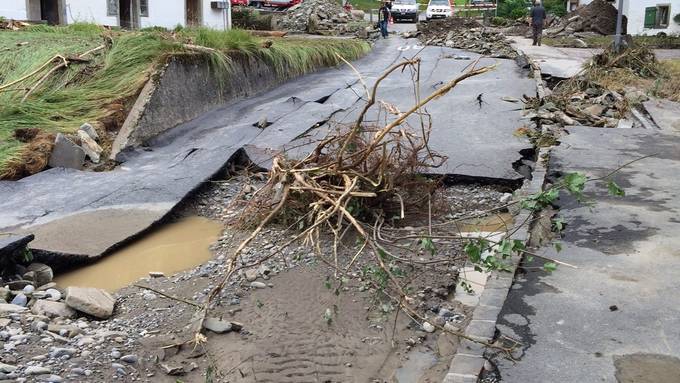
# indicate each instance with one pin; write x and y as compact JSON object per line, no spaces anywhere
{"x":358,"y":178}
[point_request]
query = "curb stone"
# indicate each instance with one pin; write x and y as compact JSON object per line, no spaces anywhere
{"x":468,"y":361}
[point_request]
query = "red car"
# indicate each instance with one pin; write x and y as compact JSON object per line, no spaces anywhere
{"x":278,"y":4}
{"x":239,"y":3}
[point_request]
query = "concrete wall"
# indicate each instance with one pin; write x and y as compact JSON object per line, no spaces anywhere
{"x":14,"y":9}
{"x":184,"y":90}
{"x":88,"y":11}
{"x":164,"y":13}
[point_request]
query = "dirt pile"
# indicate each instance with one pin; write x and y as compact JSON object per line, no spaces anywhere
{"x":463,"y":33}
{"x":598,"y":17}
{"x":322,"y":17}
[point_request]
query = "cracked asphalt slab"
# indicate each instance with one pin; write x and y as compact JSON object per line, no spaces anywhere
{"x":577,"y":325}
{"x":85,"y":214}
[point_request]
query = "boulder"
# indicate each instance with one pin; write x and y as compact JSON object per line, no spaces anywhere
{"x":66,"y":154}
{"x":90,"y":146}
{"x":91,"y":301}
{"x":52,"y":309}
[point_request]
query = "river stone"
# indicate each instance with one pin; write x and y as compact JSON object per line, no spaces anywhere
{"x":172,"y":369}
{"x":52,"y":309}
{"x":428,"y":327}
{"x":7,"y":368}
{"x":20,"y":300}
{"x":131,"y":358}
{"x":95,"y":302}
{"x":8,"y":308}
{"x":217,"y":325}
{"x":43,"y":274}
{"x":66,"y":154}
{"x":54,"y":294}
{"x":251,"y":275}
{"x":36,"y":370}
{"x":258,"y":285}
{"x":50,"y":378}
{"x":5,"y":294}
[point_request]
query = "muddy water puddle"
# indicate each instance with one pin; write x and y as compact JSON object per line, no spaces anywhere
{"x":494,"y":223}
{"x":174,"y":247}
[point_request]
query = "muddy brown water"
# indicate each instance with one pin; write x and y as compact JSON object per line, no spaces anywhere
{"x":174,"y":247}
{"x":647,"y":368}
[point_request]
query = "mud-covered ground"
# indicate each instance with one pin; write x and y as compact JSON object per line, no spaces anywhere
{"x":298,"y":321}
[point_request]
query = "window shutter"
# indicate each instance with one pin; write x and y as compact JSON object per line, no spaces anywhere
{"x":650,"y":17}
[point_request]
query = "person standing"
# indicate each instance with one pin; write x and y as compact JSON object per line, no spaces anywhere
{"x":537,"y":19}
{"x":383,"y":18}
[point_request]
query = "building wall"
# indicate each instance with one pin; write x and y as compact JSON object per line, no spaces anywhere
{"x":14,"y":9}
{"x":164,"y":13}
{"x":88,"y":11}
{"x":213,"y":18}
{"x":636,"y":17}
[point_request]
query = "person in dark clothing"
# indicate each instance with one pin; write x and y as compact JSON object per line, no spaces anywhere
{"x":383,"y":18}
{"x":537,"y":19}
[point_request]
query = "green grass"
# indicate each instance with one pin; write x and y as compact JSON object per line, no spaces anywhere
{"x":668,"y":42}
{"x":82,"y":92}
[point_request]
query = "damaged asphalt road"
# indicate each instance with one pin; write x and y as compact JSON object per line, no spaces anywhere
{"x":86,"y":214}
{"x":614,"y":319}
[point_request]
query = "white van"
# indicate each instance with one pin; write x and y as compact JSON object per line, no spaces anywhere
{"x":405,"y":9}
{"x":438,"y":9}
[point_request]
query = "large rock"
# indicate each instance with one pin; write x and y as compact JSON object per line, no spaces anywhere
{"x":90,"y":130}
{"x":52,"y":309}
{"x":66,"y":154}
{"x":12,"y":248}
{"x":95,"y":302}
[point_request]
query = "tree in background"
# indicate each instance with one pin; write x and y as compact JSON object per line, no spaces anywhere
{"x":513,"y":9}
{"x":555,"y":7}
{"x":517,"y":9}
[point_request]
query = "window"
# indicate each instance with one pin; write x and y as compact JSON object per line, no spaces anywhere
{"x":144,"y":8}
{"x":657,"y":17}
{"x":112,"y":7}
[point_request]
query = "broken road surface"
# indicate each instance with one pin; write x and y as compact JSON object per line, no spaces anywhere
{"x":616,"y":315}
{"x":85,"y":214}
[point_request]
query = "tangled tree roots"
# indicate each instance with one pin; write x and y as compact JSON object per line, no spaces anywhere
{"x":354,"y":178}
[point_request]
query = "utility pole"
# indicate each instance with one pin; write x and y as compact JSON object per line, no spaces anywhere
{"x":619,"y":27}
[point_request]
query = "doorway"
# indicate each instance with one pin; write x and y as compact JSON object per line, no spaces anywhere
{"x":193,"y":12}
{"x":128,"y":14}
{"x":49,"y":10}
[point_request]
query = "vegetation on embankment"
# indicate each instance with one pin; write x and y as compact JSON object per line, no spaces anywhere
{"x":655,"y":42}
{"x":40,"y":97}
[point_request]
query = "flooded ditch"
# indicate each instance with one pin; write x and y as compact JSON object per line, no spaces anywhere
{"x":174,"y":247}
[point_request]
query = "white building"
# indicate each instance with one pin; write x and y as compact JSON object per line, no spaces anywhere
{"x":645,"y":17}
{"x":128,"y":14}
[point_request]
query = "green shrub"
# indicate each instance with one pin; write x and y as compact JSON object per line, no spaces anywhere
{"x":513,"y":9}
{"x":555,"y":7}
{"x":676,"y":18}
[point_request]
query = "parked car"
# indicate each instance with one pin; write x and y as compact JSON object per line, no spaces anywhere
{"x":438,"y":9}
{"x":405,"y":10}
{"x":239,"y":3}
{"x":278,"y":4}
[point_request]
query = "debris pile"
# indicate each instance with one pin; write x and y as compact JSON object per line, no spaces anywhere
{"x":463,"y":33}
{"x":13,"y":25}
{"x":322,"y":17}
{"x":598,"y":17}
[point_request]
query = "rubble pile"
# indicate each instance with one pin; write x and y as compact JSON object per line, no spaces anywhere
{"x":598,"y":17}
{"x":323,"y":17}
{"x":464,"y":33}
{"x":594,"y":106}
